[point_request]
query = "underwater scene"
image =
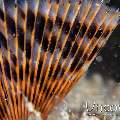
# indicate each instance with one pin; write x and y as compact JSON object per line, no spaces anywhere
{"x":59,"y":59}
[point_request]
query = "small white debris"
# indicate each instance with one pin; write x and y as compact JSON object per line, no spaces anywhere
{"x":99,"y":59}
{"x":14,"y":35}
{"x":36,"y":114}
{"x":116,"y":55}
{"x":30,"y":107}
{"x":60,"y":112}
{"x":97,"y":4}
{"x":65,"y":115}
{"x":5,"y":99}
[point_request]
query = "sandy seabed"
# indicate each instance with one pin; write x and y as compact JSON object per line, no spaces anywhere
{"x":91,"y":99}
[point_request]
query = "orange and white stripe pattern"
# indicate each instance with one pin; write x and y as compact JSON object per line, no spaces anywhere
{"x":45,"y":47}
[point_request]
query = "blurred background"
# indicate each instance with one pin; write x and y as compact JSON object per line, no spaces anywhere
{"x":108,"y":61}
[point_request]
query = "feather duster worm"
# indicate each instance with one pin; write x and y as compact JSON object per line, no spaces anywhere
{"x":45,"y":47}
